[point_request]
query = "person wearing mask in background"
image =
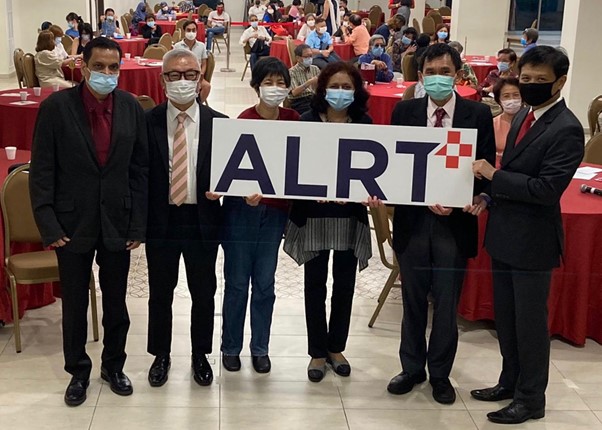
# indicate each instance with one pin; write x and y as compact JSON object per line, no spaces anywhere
{"x":257,"y":9}
{"x":357,"y":35}
{"x":109,"y":25}
{"x":151,"y":30}
{"x":252,"y":232}
{"x":529,"y":39}
{"x":183,"y":217}
{"x":198,"y":48}
{"x":344,"y":23}
{"x":391,"y":27}
{"x":86,"y":34}
{"x":258,"y":39}
{"x":139,"y":14}
{"x":441,"y":34}
{"x":401,"y":7}
{"x":216,"y":23}
{"x":321,"y":45}
{"x":308,"y":27}
{"x":88,"y":183}
{"x":343,"y":7}
{"x":433,"y":243}
{"x":525,"y":235}
{"x":304,"y":78}
{"x":403,"y":46}
{"x":59,"y":49}
{"x":73,"y":23}
{"x":377,"y":56}
{"x":318,"y":228}
{"x":506,"y":64}
{"x":506,"y":93}
{"x":467,"y":77}
{"x":165,"y":12}
{"x":48,"y":64}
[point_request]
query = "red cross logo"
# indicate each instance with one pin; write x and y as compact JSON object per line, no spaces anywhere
{"x":453,"y":150}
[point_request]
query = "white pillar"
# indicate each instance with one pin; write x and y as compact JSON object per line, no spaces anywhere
{"x":417,"y":12}
{"x":7,"y":68}
{"x":482,"y":24}
{"x":581,"y":25}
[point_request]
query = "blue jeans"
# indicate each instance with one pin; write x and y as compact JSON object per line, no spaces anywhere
{"x":251,"y":241}
{"x":212,"y":31}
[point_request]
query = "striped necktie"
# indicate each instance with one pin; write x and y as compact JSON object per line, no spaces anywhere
{"x":179,"y":165}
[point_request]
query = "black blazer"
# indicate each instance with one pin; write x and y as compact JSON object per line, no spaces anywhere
{"x":524,"y":228}
{"x":71,"y":194}
{"x":158,"y":208}
{"x":467,"y":114}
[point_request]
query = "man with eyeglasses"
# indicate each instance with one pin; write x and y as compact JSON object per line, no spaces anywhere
{"x":183,"y":218}
{"x":304,"y":79}
{"x":88,"y":186}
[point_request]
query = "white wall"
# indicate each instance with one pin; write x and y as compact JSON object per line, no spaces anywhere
{"x":6,"y":57}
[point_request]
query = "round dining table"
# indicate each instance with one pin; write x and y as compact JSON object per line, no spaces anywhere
{"x":134,"y":46}
{"x":278,"y":49}
{"x":181,"y":15}
{"x":481,"y":65}
{"x":170,"y":27}
{"x":384,"y":97}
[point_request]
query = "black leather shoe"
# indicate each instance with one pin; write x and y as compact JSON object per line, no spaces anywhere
{"x":316,"y":370}
{"x":262,"y":364}
{"x":443,"y":392}
{"x":341,"y":368}
{"x":404,"y":382}
{"x":231,"y":362}
{"x":515,"y":413}
{"x":203,"y":374}
{"x":159,"y":371}
{"x":118,"y":381}
{"x":493,"y":394}
{"x":75,"y":394}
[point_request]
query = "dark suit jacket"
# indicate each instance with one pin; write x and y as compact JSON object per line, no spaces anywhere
{"x":524,"y":228}
{"x":71,"y":194}
{"x":158,"y":208}
{"x":467,"y":114}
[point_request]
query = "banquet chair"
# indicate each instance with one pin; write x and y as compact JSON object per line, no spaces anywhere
{"x":593,"y":112}
{"x":408,"y":94}
{"x":375,"y":16}
{"x":67,"y":42}
{"x":384,"y":239}
{"x":209,"y":69}
{"x":593,"y":150}
{"x":290,"y":47}
{"x":223,"y":37}
{"x":32,"y":267}
{"x":18,"y":62}
{"x":247,"y":50}
{"x":128,"y":18}
{"x":124,"y":24}
{"x":166,"y":41}
{"x":155,"y":52}
{"x":416,"y":25}
{"x":201,"y":9}
{"x":146,"y":102}
{"x":309,"y":8}
{"x":445,"y":11}
{"x":180,"y":24}
{"x":436,"y":17}
{"x":157,"y":7}
{"x":176,"y":36}
{"x":408,"y":68}
{"x":29,"y":71}
{"x":428,"y":25}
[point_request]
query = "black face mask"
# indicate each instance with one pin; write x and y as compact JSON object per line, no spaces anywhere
{"x":536,"y":94}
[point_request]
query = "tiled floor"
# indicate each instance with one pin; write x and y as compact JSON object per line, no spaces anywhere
{"x":32,"y":383}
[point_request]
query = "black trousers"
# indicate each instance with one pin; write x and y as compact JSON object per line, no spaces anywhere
{"x":323,"y":338}
{"x":75,"y":270}
{"x":431,"y":263}
{"x":163,"y":259}
{"x":520,"y":299}
{"x":301,"y":105}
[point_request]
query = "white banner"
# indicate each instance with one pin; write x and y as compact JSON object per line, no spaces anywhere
{"x":343,"y":162}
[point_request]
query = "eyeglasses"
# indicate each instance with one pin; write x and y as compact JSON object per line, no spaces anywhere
{"x":189,"y":75}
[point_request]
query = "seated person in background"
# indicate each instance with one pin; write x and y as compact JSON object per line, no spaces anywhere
{"x":321,"y":45}
{"x":467,"y":77}
{"x":189,"y":41}
{"x":506,"y":64}
{"x":139,"y":13}
{"x":529,"y":38}
{"x":422,"y":43}
{"x":165,"y":12}
{"x":304,"y":78}
{"x":86,"y":34}
{"x":109,"y":25}
{"x":441,"y":33}
{"x":272,"y":14}
{"x":357,"y":35}
{"x":45,"y":26}
{"x":58,"y":41}
{"x":216,"y":23}
{"x":151,"y":30}
{"x":507,"y":94}
{"x":73,"y":23}
{"x":257,"y":9}
{"x":293,"y":13}
{"x":48,"y":64}
{"x":344,"y":23}
{"x":258,"y":39}
{"x":343,"y":7}
{"x":378,"y":57}
{"x":402,"y":46}
{"x":392,"y":26}
{"x":308,"y":27}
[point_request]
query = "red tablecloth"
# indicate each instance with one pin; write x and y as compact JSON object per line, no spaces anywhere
{"x":481,"y":65}
{"x":134,"y":46}
{"x":575,"y":302}
{"x":136,"y":79}
{"x":30,"y":296}
{"x":17,"y":122}
{"x":279,"y":50}
{"x":384,"y":97}
{"x":170,"y":27}
{"x":185,"y":15}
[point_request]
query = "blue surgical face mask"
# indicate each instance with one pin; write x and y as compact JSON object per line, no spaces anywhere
{"x":438,"y":87}
{"x":110,"y":18}
{"x":339,"y":99}
{"x":70,"y":25}
{"x":102,"y":83}
{"x":377,"y":51}
{"x":308,"y":61}
{"x":442,"y":35}
{"x":503,"y":66}
{"x":406,"y":40}
{"x":151,"y":24}
{"x":254,"y":24}
{"x":523,"y":41}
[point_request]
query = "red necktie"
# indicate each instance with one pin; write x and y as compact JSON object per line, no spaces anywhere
{"x":527,"y":123}
{"x":439,"y":113}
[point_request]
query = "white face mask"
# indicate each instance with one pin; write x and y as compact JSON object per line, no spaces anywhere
{"x":322,"y":30}
{"x":512,"y":106}
{"x":311,"y":22}
{"x":182,"y":91}
{"x":190,"y":35}
{"x":273,"y":95}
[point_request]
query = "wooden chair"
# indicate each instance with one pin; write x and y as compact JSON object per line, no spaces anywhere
{"x":416,"y":25}
{"x":157,"y":7}
{"x":409,"y":93}
{"x":309,"y":8}
{"x":436,"y":17}
{"x":155,"y":52}
{"x":445,"y":11}
{"x":223,"y":37}
{"x":209,"y":70}
{"x":593,"y":112}
{"x":428,"y":25}
{"x":408,"y":68}
{"x":67,"y":43}
{"x":166,"y":41}
{"x":290,"y":46}
{"x":29,"y":71}
{"x":18,"y":63}
{"x":375,"y":16}
{"x":384,"y":238}
{"x":201,"y":9}
{"x":180,"y":24}
{"x":128,"y":18}
{"x":247,"y":50}
{"x":124,"y":25}
{"x":146,"y":102}
{"x":177,"y":36}
{"x":33,"y":267}
{"x":593,"y":150}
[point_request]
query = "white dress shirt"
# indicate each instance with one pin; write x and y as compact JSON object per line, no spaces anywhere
{"x":258,"y":11}
{"x":251,"y":34}
{"x":191,"y":126}
{"x":450,"y":108}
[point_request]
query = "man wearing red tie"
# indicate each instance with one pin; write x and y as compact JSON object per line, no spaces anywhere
{"x":182,"y":220}
{"x":524,"y":231}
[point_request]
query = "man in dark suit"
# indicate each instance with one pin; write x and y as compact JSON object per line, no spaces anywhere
{"x":524,"y":231}
{"x":183,"y":218}
{"x":88,"y":182}
{"x":432,"y":244}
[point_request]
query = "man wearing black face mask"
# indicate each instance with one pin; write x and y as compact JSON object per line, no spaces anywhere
{"x":524,"y":231}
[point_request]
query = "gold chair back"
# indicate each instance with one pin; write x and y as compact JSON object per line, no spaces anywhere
{"x":29,"y":71}
{"x":408,"y":68}
{"x":593,"y":150}
{"x":177,"y":36}
{"x":593,"y":113}
{"x":290,"y":45}
{"x":18,"y":63}
{"x":375,"y":16}
{"x":67,"y":42}
{"x":180,"y":24}
{"x":428,"y":25}
{"x":409,"y":93}
{"x":445,"y":11}
{"x":166,"y":41}
{"x":155,"y":52}
{"x":416,"y":25}
{"x":210,"y":67}
{"x":436,"y":17}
